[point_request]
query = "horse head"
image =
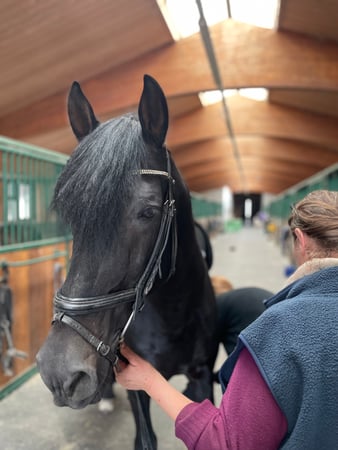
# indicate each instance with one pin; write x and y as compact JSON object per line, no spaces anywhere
{"x":116,"y":192}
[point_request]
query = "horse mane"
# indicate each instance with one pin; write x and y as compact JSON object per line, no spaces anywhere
{"x":102,"y":167}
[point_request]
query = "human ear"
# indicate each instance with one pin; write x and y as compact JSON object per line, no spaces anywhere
{"x":300,"y":237}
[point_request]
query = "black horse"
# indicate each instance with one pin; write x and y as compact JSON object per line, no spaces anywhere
{"x":136,"y":271}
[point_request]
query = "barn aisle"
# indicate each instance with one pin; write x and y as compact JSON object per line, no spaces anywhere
{"x":30,"y":421}
{"x":249,"y":257}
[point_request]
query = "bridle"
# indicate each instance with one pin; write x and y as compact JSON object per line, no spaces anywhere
{"x":68,"y":307}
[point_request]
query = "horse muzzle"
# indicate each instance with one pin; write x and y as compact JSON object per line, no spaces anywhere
{"x":73,"y":382}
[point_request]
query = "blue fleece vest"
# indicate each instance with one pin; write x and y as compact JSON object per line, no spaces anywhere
{"x":295,"y":346}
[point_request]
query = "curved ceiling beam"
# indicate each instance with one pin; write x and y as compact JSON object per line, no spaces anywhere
{"x":257,"y":181}
{"x":254,"y":57}
{"x":253,"y":169}
{"x":285,"y":162}
{"x":53,"y":43}
{"x":63,"y":140}
{"x":319,"y":102}
{"x":263,"y":148}
{"x":250,"y":117}
{"x":252,"y":163}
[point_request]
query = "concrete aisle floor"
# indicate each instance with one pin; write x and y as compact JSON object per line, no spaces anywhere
{"x":30,"y":421}
{"x":249,"y":257}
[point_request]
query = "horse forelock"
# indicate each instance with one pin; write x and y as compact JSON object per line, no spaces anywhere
{"x":99,"y":177}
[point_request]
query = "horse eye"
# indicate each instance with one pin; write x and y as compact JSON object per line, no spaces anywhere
{"x":147,"y":213}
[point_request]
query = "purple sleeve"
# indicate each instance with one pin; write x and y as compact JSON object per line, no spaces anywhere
{"x":247,"y":419}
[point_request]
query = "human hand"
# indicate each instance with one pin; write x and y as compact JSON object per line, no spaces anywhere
{"x":141,"y":375}
{"x":138,"y":374}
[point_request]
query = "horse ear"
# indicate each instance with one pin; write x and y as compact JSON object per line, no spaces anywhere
{"x":153,"y":112}
{"x":80,"y":112}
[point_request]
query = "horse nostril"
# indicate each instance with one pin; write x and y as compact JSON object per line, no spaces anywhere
{"x":76,"y":379}
{"x":80,"y":385}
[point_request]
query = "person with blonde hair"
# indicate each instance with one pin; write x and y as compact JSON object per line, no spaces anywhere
{"x":282,"y":385}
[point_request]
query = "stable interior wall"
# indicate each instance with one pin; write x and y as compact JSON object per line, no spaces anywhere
{"x":32,"y":285}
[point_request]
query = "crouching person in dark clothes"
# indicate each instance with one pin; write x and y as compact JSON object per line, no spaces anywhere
{"x":236,"y":309}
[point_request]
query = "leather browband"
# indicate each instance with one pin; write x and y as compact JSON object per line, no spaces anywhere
{"x":86,"y":305}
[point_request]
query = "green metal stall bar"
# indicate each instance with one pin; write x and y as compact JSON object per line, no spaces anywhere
{"x":28,"y":176}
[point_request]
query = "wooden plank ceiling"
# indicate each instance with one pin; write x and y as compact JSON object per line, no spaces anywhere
{"x":108,"y":46}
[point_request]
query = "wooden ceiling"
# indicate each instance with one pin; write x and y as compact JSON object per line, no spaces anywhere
{"x":108,"y":45}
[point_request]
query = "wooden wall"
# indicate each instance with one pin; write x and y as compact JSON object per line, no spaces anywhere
{"x":32,"y":288}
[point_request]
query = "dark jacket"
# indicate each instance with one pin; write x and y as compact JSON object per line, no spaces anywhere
{"x":295,"y":346}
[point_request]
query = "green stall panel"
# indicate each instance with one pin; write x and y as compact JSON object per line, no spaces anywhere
{"x":203,"y":208}
{"x":28,"y":177}
{"x":327,"y":179}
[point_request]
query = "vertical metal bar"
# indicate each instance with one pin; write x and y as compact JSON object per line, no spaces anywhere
{"x":5,"y":196}
{"x":19,"y":180}
{"x":14,"y":194}
{"x":2,"y":200}
{"x":32,"y":203}
{"x":26,"y":222}
{"x":229,"y":9}
{"x":51,"y":178}
{"x":38,"y":180}
{"x":44,"y":199}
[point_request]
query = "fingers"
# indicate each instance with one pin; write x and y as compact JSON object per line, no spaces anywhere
{"x":123,"y":358}
{"x":127,"y":354}
{"x":119,"y":366}
{"x":126,"y":350}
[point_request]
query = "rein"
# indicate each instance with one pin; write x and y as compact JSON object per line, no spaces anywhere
{"x":67,"y":307}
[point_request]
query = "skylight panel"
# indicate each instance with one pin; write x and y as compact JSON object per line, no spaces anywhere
{"x":184,"y":15}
